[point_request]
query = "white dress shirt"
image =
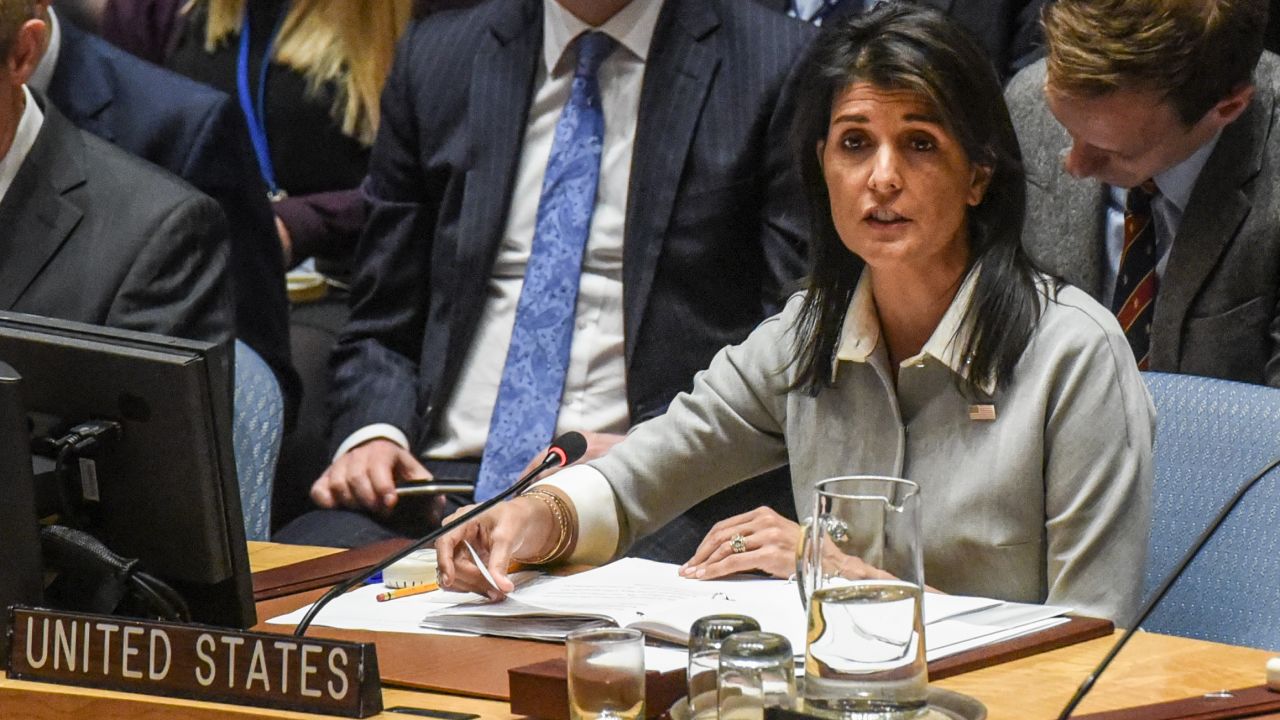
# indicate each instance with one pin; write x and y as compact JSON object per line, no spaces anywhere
{"x":23,"y":139}
{"x":595,"y":392}
{"x":1175,"y":186}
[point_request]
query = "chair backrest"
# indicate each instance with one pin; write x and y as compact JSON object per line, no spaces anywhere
{"x":258,"y":428}
{"x":1211,"y":436}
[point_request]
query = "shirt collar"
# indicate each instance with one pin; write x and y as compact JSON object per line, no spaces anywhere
{"x":1177,"y":182}
{"x":632,"y":28}
{"x":860,"y":333}
{"x":43,"y":74}
{"x":23,"y":139}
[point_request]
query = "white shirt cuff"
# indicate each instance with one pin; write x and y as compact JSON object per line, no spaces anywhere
{"x":597,"y":509}
{"x":375,"y":431}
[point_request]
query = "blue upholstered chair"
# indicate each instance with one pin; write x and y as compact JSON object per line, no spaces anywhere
{"x":257,"y":429}
{"x":1211,"y":436}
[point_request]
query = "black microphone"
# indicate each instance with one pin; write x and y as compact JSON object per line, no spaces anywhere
{"x":564,"y":450}
{"x":1163,"y":590}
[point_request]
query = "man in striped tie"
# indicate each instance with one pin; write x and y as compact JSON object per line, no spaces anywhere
{"x":1152,"y":139}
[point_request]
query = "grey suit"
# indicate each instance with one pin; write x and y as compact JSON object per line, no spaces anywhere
{"x":96,"y":235}
{"x":1216,"y":311}
{"x":1049,"y":502}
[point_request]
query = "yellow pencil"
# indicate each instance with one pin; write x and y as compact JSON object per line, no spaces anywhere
{"x":407,"y":591}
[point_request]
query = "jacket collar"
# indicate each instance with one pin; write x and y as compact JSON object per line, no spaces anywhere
{"x":860,"y":333}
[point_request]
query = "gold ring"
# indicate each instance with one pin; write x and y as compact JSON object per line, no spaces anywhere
{"x":737,"y":543}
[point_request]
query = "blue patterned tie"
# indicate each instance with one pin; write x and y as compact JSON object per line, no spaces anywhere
{"x":524,"y":418}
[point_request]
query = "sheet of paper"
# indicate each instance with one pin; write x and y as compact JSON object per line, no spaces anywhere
{"x":988,"y":638}
{"x":360,"y":609}
{"x":625,"y":591}
{"x":633,"y":591}
{"x":938,"y":606}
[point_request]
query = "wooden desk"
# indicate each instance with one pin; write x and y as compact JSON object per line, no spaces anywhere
{"x":1152,"y":668}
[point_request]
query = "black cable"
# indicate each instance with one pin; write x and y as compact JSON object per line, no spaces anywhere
{"x":82,"y":441}
{"x":1164,"y":588}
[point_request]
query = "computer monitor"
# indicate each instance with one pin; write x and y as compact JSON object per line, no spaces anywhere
{"x":165,"y":491}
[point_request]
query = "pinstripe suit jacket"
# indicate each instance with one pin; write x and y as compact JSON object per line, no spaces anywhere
{"x":714,"y":213}
{"x":1009,"y":30}
{"x":1218,"y":307}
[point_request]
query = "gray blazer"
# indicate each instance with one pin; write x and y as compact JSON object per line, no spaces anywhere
{"x":93,"y":234}
{"x":1216,"y":311}
{"x":1050,"y":502}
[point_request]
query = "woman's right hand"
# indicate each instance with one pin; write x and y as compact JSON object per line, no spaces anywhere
{"x":520,"y":528}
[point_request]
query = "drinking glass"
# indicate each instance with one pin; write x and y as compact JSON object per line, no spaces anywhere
{"x":705,"y":638}
{"x":757,"y":671}
{"x":861,"y":577}
{"x":606,"y":674}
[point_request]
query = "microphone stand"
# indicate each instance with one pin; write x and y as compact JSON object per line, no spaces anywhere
{"x":555,"y":457}
{"x":1169,"y":580}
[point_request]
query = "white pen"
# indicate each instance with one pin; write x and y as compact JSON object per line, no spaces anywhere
{"x":475,"y":557}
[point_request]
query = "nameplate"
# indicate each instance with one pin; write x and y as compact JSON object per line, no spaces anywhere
{"x":196,"y":662}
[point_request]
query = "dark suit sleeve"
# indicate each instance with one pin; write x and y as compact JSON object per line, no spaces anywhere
{"x":1026,"y":45}
{"x":375,"y":362}
{"x":784,"y":223}
{"x":218,"y":163}
{"x":142,"y":27}
{"x":177,"y":284}
{"x":324,"y":224}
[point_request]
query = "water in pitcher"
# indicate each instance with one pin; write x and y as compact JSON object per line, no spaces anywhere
{"x":865,"y":658}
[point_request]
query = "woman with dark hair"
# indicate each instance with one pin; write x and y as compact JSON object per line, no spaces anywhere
{"x":925,"y":346}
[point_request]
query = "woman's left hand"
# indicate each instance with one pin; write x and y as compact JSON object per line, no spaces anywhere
{"x":768,"y":543}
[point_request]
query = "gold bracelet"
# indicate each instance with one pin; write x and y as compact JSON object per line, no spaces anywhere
{"x":561,"y":515}
{"x":558,"y":512}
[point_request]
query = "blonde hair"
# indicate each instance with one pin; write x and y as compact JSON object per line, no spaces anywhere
{"x":349,"y":43}
{"x":1196,"y":52}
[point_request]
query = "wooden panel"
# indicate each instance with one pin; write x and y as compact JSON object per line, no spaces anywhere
{"x":267,"y":556}
{"x":1152,"y":668}
{"x":1252,"y":702}
{"x":322,"y":570}
{"x":39,"y":701}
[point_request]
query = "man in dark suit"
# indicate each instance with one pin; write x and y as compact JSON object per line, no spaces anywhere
{"x":196,"y":133}
{"x":1154,"y":167}
{"x":695,"y":236}
{"x":94,"y":234}
{"x":1009,"y":30}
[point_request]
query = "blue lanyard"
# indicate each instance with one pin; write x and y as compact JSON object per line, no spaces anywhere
{"x":254,"y":113}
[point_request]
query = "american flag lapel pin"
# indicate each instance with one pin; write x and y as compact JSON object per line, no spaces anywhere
{"x":982,"y":411}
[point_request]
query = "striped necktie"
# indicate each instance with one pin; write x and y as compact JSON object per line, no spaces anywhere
{"x":1134,"y":302}
{"x":524,"y":417}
